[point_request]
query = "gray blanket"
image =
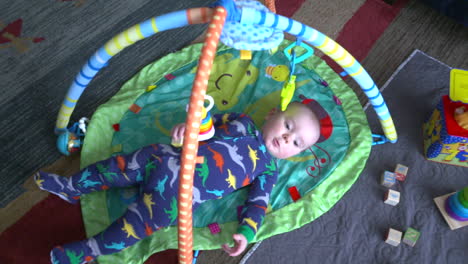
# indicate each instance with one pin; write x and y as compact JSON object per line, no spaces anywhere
{"x":353,"y":231}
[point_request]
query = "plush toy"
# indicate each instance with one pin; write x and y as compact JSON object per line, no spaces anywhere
{"x":461,"y":116}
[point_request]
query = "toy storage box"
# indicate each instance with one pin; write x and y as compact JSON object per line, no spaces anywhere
{"x":444,"y":140}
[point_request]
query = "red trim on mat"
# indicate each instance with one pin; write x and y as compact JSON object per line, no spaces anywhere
{"x":365,"y":27}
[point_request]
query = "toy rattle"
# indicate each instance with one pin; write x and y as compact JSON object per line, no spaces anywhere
{"x":206,"y":125}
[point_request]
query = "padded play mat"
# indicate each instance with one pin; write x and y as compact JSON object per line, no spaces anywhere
{"x":155,"y":99}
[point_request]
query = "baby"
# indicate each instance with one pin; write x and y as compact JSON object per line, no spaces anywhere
{"x":237,"y":155}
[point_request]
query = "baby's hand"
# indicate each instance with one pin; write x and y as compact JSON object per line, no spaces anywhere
{"x":240,"y":243}
{"x":177,"y":134}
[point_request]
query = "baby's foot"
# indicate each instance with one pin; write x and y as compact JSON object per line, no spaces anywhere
{"x":58,"y":185}
{"x":72,"y":253}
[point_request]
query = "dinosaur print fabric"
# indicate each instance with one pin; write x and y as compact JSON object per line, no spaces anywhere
{"x":234,"y":158}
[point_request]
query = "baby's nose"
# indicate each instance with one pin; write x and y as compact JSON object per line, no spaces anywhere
{"x":286,"y":138}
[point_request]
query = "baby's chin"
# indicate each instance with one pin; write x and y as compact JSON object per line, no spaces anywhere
{"x":276,"y":154}
{"x":271,"y":149}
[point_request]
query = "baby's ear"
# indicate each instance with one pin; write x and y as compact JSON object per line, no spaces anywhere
{"x":271,"y":113}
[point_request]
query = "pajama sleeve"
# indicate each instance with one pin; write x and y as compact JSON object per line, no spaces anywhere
{"x":256,"y":205}
{"x":220,"y":119}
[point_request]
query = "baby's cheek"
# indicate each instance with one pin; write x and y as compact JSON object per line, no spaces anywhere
{"x":292,"y":152}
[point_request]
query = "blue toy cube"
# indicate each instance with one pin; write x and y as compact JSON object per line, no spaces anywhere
{"x":388,"y":179}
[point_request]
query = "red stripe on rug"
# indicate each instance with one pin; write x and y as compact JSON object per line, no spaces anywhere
{"x":288,"y":7}
{"x":365,"y":27}
{"x":53,"y":221}
{"x":49,"y":223}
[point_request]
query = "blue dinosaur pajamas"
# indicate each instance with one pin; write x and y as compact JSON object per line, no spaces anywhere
{"x":235,"y":157}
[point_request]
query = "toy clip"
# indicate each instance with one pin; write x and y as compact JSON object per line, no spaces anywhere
{"x":379,"y":139}
{"x":71,"y":140}
{"x":289,"y":50}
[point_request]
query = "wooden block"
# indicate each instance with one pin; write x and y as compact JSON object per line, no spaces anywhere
{"x":400,"y":172}
{"x":388,"y":179}
{"x":411,"y":236}
{"x":392,"y":197}
{"x":393,"y":237}
{"x":453,"y":224}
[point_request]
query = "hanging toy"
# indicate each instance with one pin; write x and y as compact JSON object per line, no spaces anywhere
{"x":289,"y":87}
{"x":287,"y":92}
{"x":206,"y":124}
{"x":72,"y":139}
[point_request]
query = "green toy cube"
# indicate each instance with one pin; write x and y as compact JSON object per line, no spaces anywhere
{"x":411,"y":236}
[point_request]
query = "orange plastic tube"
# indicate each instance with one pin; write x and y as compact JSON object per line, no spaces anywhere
{"x":192,"y":128}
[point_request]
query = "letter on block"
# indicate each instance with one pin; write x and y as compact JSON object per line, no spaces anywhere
{"x":400,"y":172}
{"x":393,"y":237}
{"x":388,"y":179}
{"x":411,"y":236}
{"x":392,"y":197}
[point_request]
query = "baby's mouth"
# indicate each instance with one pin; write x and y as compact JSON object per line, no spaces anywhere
{"x":275,"y":143}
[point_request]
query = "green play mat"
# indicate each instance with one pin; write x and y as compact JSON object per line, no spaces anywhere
{"x":248,"y":86}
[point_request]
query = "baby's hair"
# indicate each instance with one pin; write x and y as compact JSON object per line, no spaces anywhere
{"x":326,"y":124}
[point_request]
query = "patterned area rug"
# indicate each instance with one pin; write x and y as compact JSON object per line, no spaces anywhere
{"x":43,"y":45}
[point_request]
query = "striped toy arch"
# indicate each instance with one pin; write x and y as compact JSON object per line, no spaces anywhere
{"x":216,"y":16}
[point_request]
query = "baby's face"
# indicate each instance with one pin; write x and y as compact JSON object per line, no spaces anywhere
{"x":290,"y":132}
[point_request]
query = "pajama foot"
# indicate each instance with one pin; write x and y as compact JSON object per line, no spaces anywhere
{"x":71,"y":255}
{"x":58,"y":185}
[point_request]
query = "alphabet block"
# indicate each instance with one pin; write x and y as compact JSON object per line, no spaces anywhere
{"x":400,"y":172}
{"x":392,"y":197}
{"x":393,"y":237}
{"x":388,"y":179}
{"x":411,"y":236}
